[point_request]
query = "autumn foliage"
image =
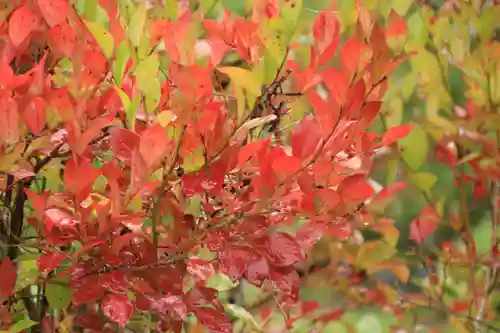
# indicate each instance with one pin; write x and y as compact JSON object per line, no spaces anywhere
{"x":153,"y":155}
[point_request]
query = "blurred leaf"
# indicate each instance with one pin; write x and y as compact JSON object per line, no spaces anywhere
{"x":22,"y":325}
{"x":235,"y":6}
{"x":373,"y":253}
{"x":242,"y":314}
{"x":335,"y":327}
{"x":369,"y":323}
{"x":423,"y":180}
{"x":414,"y":147}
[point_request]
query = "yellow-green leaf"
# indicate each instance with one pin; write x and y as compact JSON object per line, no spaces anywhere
{"x":124,"y":98}
{"x":372,"y":253}
{"x":243,"y":78}
{"x":146,"y":72}
{"x":243,"y":315}
{"x":194,"y":161}
{"x":137,"y":23}
{"x":122,"y":56}
{"x":415,"y":146}
{"x":102,"y":37}
{"x":423,"y":180}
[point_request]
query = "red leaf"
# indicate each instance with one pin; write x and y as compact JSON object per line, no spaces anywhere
{"x":79,"y":177}
{"x":8,"y":276}
{"x":38,"y":201}
{"x":49,"y":261}
{"x":22,"y":22}
{"x":139,"y":172}
{"x":424,"y":225}
{"x":201,"y":269}
{"x":326,"y":112}
{"x":233,"y":261}
{"x":355,"y":188}
{"x":258,"y":271}
{"x":351,"y":55}
{"x":92,"y":132}
{"x":117,"y":308}
{"x":214,"y":320}
{"x":460,"y":306}
{"x":123,"y":142}
{"x":390,"y":190}
{"x":88,"y":293}
{"x":395,"y":133}
{"x":153,"y":145}
{"x":370,"y":111}
{"x":306,"y":137}
{"x":54,"y":11}
{"x":115,"y":282}
{"x":57,"y":218}
{"x":309,"y":306}
{"x":281,"y":249}
{"x":34,"y":114}
{"x":286,"y":280}
{"x":62,"y":38}
{"x":337,"y":83}
{"x":9,"y":120}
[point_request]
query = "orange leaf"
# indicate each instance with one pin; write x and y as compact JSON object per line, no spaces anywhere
{"x":424,"y":225}
{"x":54,"y":11}
{"x":397,"y":25}
{"x":395,"y":133}
{"x":34,"y":114}
{"x":21,"y":24}
{"x":153,"y":145}
{"x":62,"y":38}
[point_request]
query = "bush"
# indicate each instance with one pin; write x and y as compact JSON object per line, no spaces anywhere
{"x":251,"y":166}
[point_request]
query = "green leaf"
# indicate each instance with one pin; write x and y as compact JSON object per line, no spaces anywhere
{"x":221,"y":282}
{"x":58,"y":294}
{"x":243,"y":78}
{"x":146,"y":73}
{"x":372,"y":253}
{"x":235,"y":6}
{"x":171,"y":9}
{"x":124,"y":98}
{"x":122,"y":57}
{"x":290,"y":12}
{"x":417,"y":29}
{"x":137,"y":23}
{"x":153,"y":95}
{"x":394,"y":115}
{"x":369,"y":323}
{"x":423,"y":180}
{"x":401,"y":6}
{"x":242,"y":314}
{"x":131,"y":112}
{"x":335,"y":327}
{"x":194,"y":161}
{"x":90,"y":8}
{"x":415,"y":146}
{"x":22,"y":325}
{"x":193,"y":206}
{"x":27,"y":273}
{"x":102,"y":37}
